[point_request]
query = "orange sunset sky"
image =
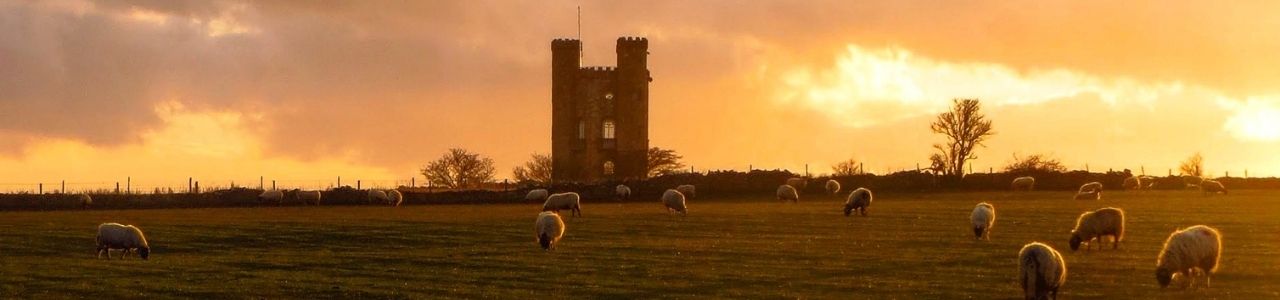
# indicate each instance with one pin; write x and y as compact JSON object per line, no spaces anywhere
{"x":304,"y":91}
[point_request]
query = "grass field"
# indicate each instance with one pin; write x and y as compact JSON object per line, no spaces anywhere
{"x":912,"y":246}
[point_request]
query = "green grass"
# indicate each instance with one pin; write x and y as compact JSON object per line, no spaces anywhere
{"x":912,"y":246}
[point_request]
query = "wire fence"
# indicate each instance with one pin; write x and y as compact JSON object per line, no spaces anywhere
{"x":131,"y":186}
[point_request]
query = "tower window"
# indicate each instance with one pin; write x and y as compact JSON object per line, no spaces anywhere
{"x":582,"y":130}
{"x":608,"y":167}
{"x":608,"y":129}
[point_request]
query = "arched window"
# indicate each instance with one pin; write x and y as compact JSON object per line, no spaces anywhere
{"x":608,"y":129}
{"x":582,"y":130}
{"x":608,"y":167}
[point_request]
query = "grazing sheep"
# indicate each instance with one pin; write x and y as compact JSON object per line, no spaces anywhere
{"x":860,"y":200}
{"x":1208,"y":187}
{"x":1191,"y":181}
{"x":1194,"y":248}
{"x":85,"y":200}
{"x":1133,"y":183}
{"x":558,"y":201}
{"x":308,"y":197}
{"x":673,"y":200}
{"x":119,"y":236}
{"x":275,"y":196}
{"x":983,"y":218}
{"x":395,"y":198}
{"x":833,"y":187}
{"x":798,"y":183}
{"x":787,"y":192}
{"x":1095,"y":195}
{"x":378,"y":197}
{"x":1148,"y":182}
{"x":539,"y":195}
{"x":1041,"y":271}
{"x":688,"y":190}
{"x":549,"y":228}
{"x":1097,"y":225}
{"x":1092,"y":186}
{"x":623,"y":192}
{"x":1023,"y":183}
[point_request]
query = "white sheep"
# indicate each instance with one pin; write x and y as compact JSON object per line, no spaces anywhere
{"x":1191,"y":180}
{"x":308,"y":197}
{"x":1092,"y":190}
{"x":1133,"y":183}
{"x":395,"y":198}
{"x":688,"y":190}
{"x":539,"y":195}
{"x":798,"y":183}
{"x":1041,"y":271}
{"x":622,"y":191}
{"x":673,"y":200}
{"x":559,"y":201}
{"x":1095,"y":195}
{"x":549,"y":228}
{"x":833,"y":187}
{"x":787,"y":192}
{"x":1186,"y":251}
{"x":1148,"y":182}
{"x":1208,"y":187}
{"x":85,"y":200}
{"x":272,"y":196}
{"x":119,"y":236}
{"x":983,"y":218}
{"x":860,"y":200}
{"x":1098,"y":224}
{"x":1023,"y":183}
{"x":378,"y":197}
{"x":1089,"y":187}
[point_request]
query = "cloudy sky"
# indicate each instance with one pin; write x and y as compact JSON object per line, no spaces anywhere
{"x":304,"y":91}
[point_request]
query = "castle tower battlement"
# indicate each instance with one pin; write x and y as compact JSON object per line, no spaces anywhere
{"x":599,"y":115}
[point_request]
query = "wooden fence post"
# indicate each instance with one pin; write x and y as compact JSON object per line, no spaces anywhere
{"x":357,"y":184}
{"x":190,"y":189}
{"x":64,"y":185}
{"x":128,"y":185}
{"x":40,"y":189}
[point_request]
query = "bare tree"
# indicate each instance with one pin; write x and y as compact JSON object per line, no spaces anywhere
{"x":1193,"y":166}
{"x":845,"y":168}
{"x":663,"y":162}
{"x":537,"y":170}
{"x":459,"y":169}
{"x":965,"y":128}
{"x":1034,"y":163}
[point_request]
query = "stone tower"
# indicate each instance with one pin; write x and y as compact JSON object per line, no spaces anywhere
{"x":599,"y":115}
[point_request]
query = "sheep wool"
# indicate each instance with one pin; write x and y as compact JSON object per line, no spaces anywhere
{"x":124,"y":237}
{"x":1208,"y":187}
{"x":1025,"y":183}
{"x":1133,"y":183}
{"x":570,"y":201}
{"x":309,"y":197}
{"x":378,"y":197}
{"x":1090,"y":195}
{"x":395,"y":197}
{"x":1041,"y":271}
{"x":1091,"y":187}
{"x":549,"y":228}
{"x":787,"y":192}
{"x":537,"y":195}
{"x":833,"y":187}
{"x":85,"y":200}
{"x":673,"y":200}
{"x":983,"y":218}
{"x":860,"y":200}
{"x":1186,"y":251}
{"x":798,"y":183}
{"x":622,"y":191}
{"x":271,"y":196}
{"x":688,"y":190}
{"x":1098,"y":224}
